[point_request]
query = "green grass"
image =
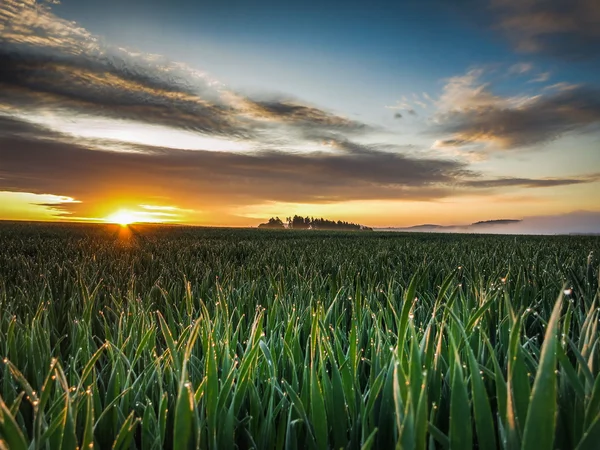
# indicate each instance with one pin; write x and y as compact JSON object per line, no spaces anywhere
{"x":205,"y":338}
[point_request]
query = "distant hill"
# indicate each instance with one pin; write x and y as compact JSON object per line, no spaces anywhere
{"x":495,"y":222}
{"x":473,"y":227}
{"x":426,"y":226}
{"x":574,"y":222}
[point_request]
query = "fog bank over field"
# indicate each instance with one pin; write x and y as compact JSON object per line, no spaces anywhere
{"x":576,"y":222}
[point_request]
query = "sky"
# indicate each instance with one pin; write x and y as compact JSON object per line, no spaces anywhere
{"x":388,"y":114}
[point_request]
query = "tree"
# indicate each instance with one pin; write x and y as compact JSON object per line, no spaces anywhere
{"x":305,"y":223}
{"x":298,"y":223}
{"x":274,"y":222}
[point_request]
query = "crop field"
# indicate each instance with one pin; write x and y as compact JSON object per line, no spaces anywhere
{"x":155,"y":337}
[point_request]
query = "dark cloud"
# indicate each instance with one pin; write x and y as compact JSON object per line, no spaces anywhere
{"x":528,"y":182}
{"x":398,"y":116}
{"x":35,"y":164}
{"x":451,"y":143}
{"x":129,"y":89}
{"x":412,"y":112}
{"x":36,"y":161}
{"x":340,"y":142}
{"x":508,"y":123}
{"x":303,"y":116}
{"x":564,"y":28}
{"x":355,"y":148}
{"x":10,"y":127}
{"x":32,"y":81}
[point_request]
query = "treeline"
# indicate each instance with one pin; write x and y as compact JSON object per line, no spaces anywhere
{"x":311,"y":223}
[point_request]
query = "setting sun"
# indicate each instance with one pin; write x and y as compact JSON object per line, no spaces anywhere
{"x":122,"y":217}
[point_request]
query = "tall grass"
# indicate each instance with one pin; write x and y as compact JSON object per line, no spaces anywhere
{"x":198,"y":338}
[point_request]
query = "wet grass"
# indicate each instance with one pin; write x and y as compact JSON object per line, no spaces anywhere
{"x":176,"y":337}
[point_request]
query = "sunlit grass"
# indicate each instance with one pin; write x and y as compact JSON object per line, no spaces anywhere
{"x":190,"y":338}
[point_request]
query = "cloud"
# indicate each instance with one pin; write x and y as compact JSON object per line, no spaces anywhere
{"x":564,"y":28}
{"x":28,"y":22}
{"x":541,"y":77}
{"x":406,"y":106}
{"x":36,"y":82}
{"x":526,"y":67}
{"x":398,"y":116}
{"x":562,"y":86}
{"x":529,"y":182}
{"x":51,"y":66}
{"x":419,"y":102}
{"x":400,"y":105}
{"x":25,"y":205}
{"x":33,"y":161}
{"x":471,"y":114}
{"x":444,"y":143}
{"x":302,"y":116}
{"x":467,"y":92}
{"x":164,"y":209}
{"x":520,"y":68}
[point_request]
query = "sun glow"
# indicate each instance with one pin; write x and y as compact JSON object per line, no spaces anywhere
{"x":147,"y":214}
{"x":122,"y":217}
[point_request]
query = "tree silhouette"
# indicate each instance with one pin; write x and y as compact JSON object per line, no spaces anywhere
{"x":305,"y":223}
{"x":274,"y":222}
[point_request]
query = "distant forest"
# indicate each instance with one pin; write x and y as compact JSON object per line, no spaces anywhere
{"x":311,"y":223}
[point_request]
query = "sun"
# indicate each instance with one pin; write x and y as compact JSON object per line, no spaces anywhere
{"x":122,"y":217}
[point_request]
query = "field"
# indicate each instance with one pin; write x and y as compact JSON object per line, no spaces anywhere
{"x":151,"y":337}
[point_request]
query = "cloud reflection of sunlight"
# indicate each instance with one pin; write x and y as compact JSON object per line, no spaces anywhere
{"x":132,"y":132}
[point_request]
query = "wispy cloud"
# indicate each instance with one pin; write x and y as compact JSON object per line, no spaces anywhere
{"x":520,"y":68}
{"x":530,"y":182}
{"x":401,"y":104}
{"x":541,"y":77}
{"x":564,"y":28}
{"x":164,"y":209}
{"x":28,"y":205}
{"x":470,"y":113}
{"x":408,"y":106}
{"x":112,"y":88}
{"x":53,"y":67}
{"x":299,"y":115}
